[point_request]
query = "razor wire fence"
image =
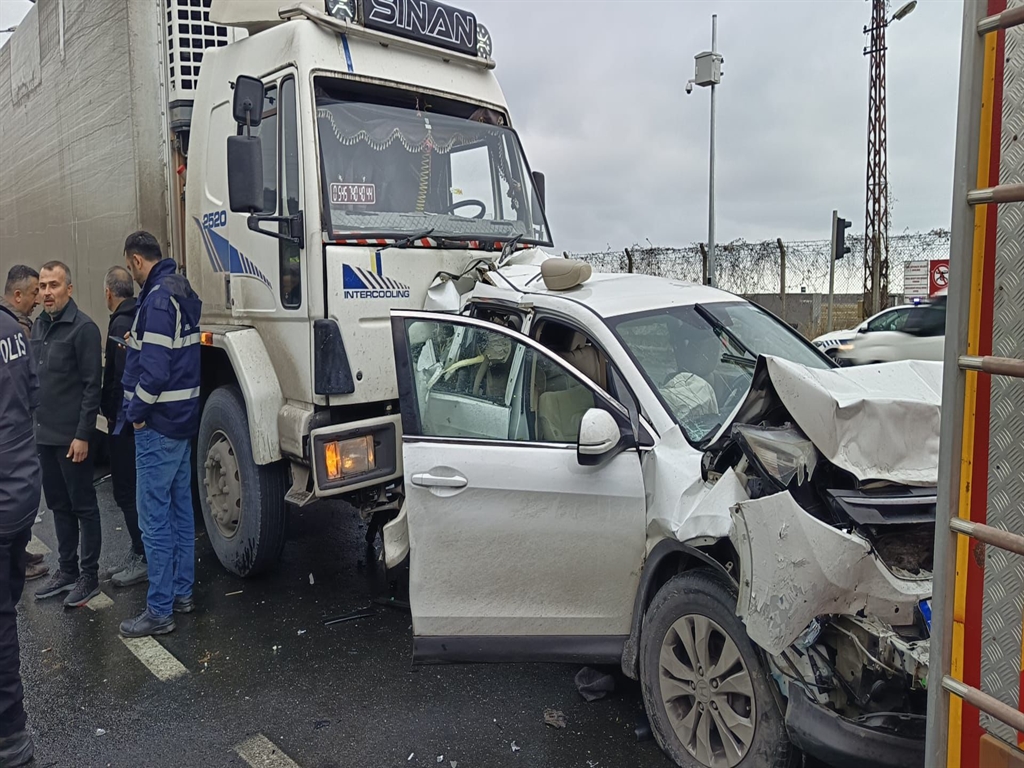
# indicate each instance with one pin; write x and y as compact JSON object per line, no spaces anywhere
{"x":755,"y":270}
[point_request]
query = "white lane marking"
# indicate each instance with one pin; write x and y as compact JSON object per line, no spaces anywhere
{"x":37,"y":547}
{"x":100,"y":602}
{"x":260,"y":752}
{"x":157,"y":659}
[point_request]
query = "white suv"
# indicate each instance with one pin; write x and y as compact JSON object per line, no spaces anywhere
{"x":644,"y":472}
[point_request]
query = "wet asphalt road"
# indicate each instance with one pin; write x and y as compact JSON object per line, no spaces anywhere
{"x":334,"y":696}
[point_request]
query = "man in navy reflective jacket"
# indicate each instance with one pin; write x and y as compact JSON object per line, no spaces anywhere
{"x":161,"y":389}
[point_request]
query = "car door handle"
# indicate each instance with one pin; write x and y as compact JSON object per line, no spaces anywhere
{"x":427,"y":480}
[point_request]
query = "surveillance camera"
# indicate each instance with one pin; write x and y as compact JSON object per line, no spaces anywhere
{"x":689,"y":87}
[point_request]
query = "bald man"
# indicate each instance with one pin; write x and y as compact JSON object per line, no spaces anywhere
{"x":119,"y":289}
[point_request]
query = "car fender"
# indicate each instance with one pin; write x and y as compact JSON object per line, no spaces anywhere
{"x":667,"y":557}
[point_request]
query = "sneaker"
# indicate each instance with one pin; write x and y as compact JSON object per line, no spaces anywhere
{"x":135,"y":571}
{"x":17,"y":749}
{"x":33,"y":559}
{"x":86,"y":588}
{"x":184,"y":604}
{"x":146,"y":624}
{"x":36,"y":571}
{"x":58,"y":583}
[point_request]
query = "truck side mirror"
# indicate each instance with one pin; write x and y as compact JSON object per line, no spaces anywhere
{"x":540,"y":183}
{"x":245,"y":174}
{"x":247,"y":105}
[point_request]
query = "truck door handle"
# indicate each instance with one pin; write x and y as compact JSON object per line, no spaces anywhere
{"x":427,"y":480}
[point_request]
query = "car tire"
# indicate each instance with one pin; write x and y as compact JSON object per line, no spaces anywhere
{"x":703,"y":604}
{"x":243,"y":503}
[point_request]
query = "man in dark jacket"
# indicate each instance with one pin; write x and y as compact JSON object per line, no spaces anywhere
{"x":161,"y":388}
{"x":19,"y":502}
{"x":119,"y":291}
{"x":21,"y":297}
{"x":66,"y":351}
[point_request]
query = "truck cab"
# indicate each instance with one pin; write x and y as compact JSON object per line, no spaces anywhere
{"x":381,"y":157}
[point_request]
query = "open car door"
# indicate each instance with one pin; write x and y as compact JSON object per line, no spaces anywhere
{"x":525,"y":543}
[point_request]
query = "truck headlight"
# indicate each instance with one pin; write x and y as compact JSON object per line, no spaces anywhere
{"x":783,"y":453}
{"x":345,"y":458}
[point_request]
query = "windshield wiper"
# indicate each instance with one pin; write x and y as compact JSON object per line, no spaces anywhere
{"x":719,"y":326}
{"x":746,"y":362}
{"x":405,"y":242}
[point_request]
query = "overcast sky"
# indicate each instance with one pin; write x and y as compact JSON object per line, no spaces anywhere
{"x":596,"y":89}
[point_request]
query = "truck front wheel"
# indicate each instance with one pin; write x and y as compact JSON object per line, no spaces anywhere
{"x":243,"y":503}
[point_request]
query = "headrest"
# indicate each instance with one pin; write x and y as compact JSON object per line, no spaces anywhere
{"x":564,"y":274}
{"x":579,"y":341}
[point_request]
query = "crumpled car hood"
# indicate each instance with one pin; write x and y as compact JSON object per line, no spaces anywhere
{"x":878,"y":422}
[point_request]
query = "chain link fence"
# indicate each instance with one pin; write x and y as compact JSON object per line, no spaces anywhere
{"x":755,"y":270}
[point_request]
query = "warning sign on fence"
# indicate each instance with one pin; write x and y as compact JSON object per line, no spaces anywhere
{"x":924,"y":279}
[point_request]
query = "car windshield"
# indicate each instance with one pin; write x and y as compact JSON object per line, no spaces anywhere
{"x":397,"y":164}
{"x":700,"y":358}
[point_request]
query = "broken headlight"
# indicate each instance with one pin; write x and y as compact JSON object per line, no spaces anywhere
{"x":783,"y":454}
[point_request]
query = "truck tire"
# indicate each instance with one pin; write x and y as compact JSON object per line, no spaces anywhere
{"x":243,"y":503}
{"x":684,"y":697}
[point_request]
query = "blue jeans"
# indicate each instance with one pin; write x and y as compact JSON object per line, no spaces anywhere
{"x":164,"y":498}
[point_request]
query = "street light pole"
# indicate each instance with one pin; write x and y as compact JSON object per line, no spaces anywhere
{"x":711,"y":164}
{"x":708,"y":71}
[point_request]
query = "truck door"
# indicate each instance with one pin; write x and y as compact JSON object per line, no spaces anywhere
{"x":513,"y":541}
{"x":267,"y":285}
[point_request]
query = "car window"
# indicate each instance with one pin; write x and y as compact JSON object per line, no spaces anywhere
{"x":889,"y":321}
{"x":926,"y":320}
{"x":480,"y":383}
{"x":700,"y":359}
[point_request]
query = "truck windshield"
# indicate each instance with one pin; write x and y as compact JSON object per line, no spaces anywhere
{"x":700,"y":358}
{"x":396,"y":163}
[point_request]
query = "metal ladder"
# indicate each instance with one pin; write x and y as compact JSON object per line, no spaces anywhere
{"x":962,"y":367}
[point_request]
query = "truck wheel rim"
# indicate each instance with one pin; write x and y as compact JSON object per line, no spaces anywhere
{"x":707,"y":691}
{"x":223,"y":485}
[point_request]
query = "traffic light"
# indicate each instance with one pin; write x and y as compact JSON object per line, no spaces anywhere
{"x":839,"y":246}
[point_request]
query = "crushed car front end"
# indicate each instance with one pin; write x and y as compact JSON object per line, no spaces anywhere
{"x":835,"y":547}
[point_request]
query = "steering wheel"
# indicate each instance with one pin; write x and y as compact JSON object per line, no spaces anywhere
{"x":465,"y":203}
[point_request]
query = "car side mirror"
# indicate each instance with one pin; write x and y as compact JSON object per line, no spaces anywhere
{"x":245,"y":174}
{"x":600,"y":439}
{"x":863,"y":329}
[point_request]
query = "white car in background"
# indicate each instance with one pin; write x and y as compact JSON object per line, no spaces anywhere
{"x":633,"y":470}
{"x":920,"y":336}
{"x":889,"y":319}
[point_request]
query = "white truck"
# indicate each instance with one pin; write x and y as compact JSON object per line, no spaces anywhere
{"x":381,"y":156}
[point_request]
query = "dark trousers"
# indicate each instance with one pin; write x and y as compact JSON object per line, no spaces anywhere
{"x":12,"y":581}
{"x":72,"y":497}
{"x":122,"y":478}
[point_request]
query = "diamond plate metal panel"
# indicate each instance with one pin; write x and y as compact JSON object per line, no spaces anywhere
{"x":1004,"y":572}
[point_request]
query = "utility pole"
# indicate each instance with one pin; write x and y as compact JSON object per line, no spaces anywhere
{"x":876,"y":216}
{"x":708,"y":71}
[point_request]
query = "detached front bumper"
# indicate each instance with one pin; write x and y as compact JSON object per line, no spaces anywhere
{"x":889,"y":741}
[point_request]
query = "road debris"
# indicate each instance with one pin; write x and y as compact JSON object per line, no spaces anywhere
{"x":515,"y":747}
{"x":321,"y":724}
{"x":100,"y":732}
{"x":311,"y":579}
{"x":231,"y":594}
{"x":554,"y":718}
{"x":410,"y":757}
{"x":643,"y":728}
{"x":275,"y":648}
{"x":302,"y":631}
{"x":354,"y":616}
{"x":594,"y":685}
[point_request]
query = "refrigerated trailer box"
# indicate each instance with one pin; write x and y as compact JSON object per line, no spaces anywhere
{"x":388,"y":163}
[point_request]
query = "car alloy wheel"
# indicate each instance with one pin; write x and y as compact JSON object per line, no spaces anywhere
{"x":707,"y":691}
